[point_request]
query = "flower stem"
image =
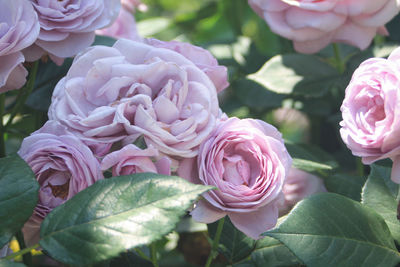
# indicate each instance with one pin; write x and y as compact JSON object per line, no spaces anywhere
{"x":23,"y":95}
{"x":142,"y":255}
{"x":153,"y":254}
{"x":2,"y":131}
{"x":340,"y":65}
{"x":27,"y":258}
{"x":21,"y":252}
{"x":360,"y":167}
{"x":214,"y":247}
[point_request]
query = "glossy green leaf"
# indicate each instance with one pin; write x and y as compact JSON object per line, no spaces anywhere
{"x":116,"y":214}
{"x":18,"y":196}
{"x":271,"y":252}
{"x":383,"y":195}
{"x":345,"y":184}
{"x":104,"y":40}
{"x":332,"y":230}
{"x":296,"y":74}
{"x":4,"y":263}
{"x":234,"y":245}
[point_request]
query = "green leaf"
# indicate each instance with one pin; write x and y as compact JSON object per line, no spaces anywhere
{"x":114,"y":215}
{"x":346,"y":185}
{"x":271,"y":252}
{"x":296,"y":74}
{"x":152,"y":26}
{"x":18,"y":196}
{"x":310,"y":158}
{"x":383,"y":195}
{"x":104,"y":40}
{"x":48,"y":75}
{"x":234,"y":245}
{"x":4,"y":263}
{"x":332,"y":230}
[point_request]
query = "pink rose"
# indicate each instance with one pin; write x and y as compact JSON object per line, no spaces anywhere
{"x":132,"y":5}
{"x":123,"y":27}
{"x":200,"y":57}
{"x":370,"y":110}
{"x":299,"y":185}
{"x":247,"y":161}
{"x":131,"y":159}
{"x":63,"y":166}
{"x":134,"y":89}
{"x":312,"y":25}
{"x":67,"y":27}
{"x":19,"y":28}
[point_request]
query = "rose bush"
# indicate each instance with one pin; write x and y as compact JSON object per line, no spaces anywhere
{"x":370,"y":125}
{"x":131,"y":159}
{"x":312,"y":25}
{"x":63,"y":166}
{"x":19,"y":28}
{"x":133,"y":89}
{"x":248,"y":163}
{"x":67,"y":27}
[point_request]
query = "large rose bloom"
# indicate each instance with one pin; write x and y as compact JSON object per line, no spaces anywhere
{"x":312,"y":25}
{"x":67,"y":26}
{"x":63,"y":166}
{"x":133,"y":89}
{"x":19,"y":28}
{"x":248,"y":163}
{"x":371,"y":112}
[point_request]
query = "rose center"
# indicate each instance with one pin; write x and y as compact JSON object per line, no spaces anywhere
{"x":60,"y":191}
{"x":236,"y":170}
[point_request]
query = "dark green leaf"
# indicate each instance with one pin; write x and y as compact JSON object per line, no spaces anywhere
{"x":234,"y":245}
{"x":114,"y":215}
{"x":296,"y":74}
{"x":346,"y":185}
{"x":383,"y":195}
{"x":4,"y":263}
{"x":104,"y":40}
{"x":18,"y":196}
{"x":332,"y":230}
{"x":271,"y":252}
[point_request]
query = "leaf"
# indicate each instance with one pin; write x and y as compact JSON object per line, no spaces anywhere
{"x":296,"y":74}
{"x":332,"y":230}
{"x":152,"y":26}
{"x":4,"y":263}
{"x":47,"y":77}
{"x":18,"y":196}
{"x":271,"y":252}
{"x":345,"y":184}
{"x":383,"y":195}
{"x":104,"y":40}
{"x":234,"y":245}
{"x":114,"y":215}
{"x":310,"y":158}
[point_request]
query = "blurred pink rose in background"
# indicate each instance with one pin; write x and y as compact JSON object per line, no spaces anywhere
{"x":63,"y":166}
{"x":132,"y":89}
{"x":247,"y":161}
{"x":312,"y":25}
{"x":370,"y":111}
{"x":131,"y":159}
{"x":299,"y":185}
{"x":19,"y":28}
{"x":123,"y":27}
{"x":200,"y":57}
{"x":132,"y":5}
{"x":68,"y":27}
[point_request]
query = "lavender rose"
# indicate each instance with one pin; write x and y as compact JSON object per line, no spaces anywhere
{"x":131,"y":159}
{"x":134,"y":89}
{"x":67,"y":27}
{"x":370,"y":110}
{"x":63,"y":166}
{"x":312,"y":25}
{"x":201,"y":58}
{"x":19,"y":28}
{"x":248,"y":163}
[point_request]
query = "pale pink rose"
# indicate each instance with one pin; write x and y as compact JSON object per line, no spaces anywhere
{"x":132,"y":5}
{"x":312,"y":25}
{"x":299,"y":185}
{"x":63,"y":166}
{"x":19,"y":28}
{"x":247,"y":161}
{"x":123,"y":27}
{"x":200,"y":57}
{"x":67,"y":27}
{"x":131,"y":159}
{"x":370,"y":110}
{"x":132,"y":89}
